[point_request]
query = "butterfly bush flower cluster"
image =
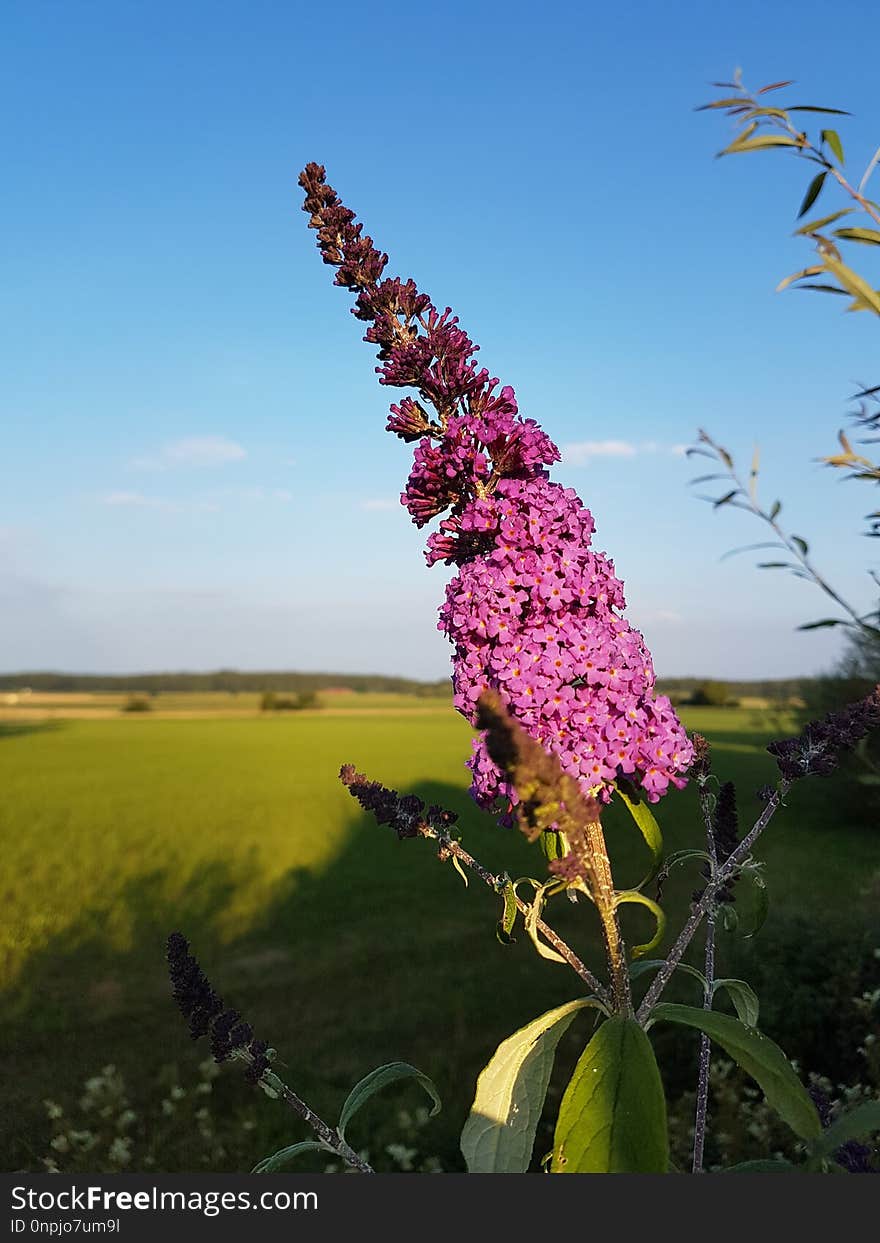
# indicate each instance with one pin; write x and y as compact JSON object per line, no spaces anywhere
{"x":533,"y":612}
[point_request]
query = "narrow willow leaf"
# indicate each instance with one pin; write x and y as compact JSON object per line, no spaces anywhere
{"x":760,"y":143}
{"x":775,"y":511}
{"x":721,"y":103}
{"x":499,"y":1134}
{"x":733,"y":552}
{"x":744,"y":999}
{"x":851,"y":281}
{"x":823,"y":289}
{"x":723,"y":500}
{"x":870,"y":237}
{"x":759,"y":1057}
{"x":814,"y":189}
{"x":613,"y":1115}
{"x":835,"y":112}
{"x":380,"y":1078}
{"x":832,"y":137}
{"x":819,"y":625}
{"x":649,"y":829}
{"x":279,"y":1159}
{"x":801,"y":545}
{"x":857,"y":1123}
{"x":633,"y":896}
{"x":797,"y":276}
{"x":774,"y":86}
{"x":813,"y":225}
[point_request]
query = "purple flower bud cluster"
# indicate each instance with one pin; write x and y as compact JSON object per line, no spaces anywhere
{"x":816,"y":750}
{"x":198,"y":1002}
{"x":533,"y":610}
{"x":405,"y":813}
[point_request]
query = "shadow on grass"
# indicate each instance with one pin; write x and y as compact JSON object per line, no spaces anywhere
{"x":379,"y":956}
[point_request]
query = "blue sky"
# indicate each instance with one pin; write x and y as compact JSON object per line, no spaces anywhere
{"x":195,"y":472}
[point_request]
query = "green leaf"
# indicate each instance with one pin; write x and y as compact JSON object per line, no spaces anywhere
{"x":462,"y":873}
{"x":812,"y":225}
{"x":633,"y":896}
{"x":381,"y":1078}
{"x":280,"y":1158}
{"x":870,"y":237}
{"x":759,"y":1057}
{"x":836,"y":112}
{"x":504,"y":927}
{"x":801,"y":545}
{"x":654,"y":964}
{"x":762,"y":903}
{"x":858,"y":1123}
{"x":775,"y":511}
{"x":499,"y":1134}
{"x":826,"y":621}
{"x":723,"y":500}
{"x":760,"y":143}
{"x":797,"y":276}
{"x":767,"y":1166}
{"x":814,"y":189}
{"x":775,"y":86}
{"x":613,"y":1115}
{"x":852,"y":282}
{"x":647,"y":825}
{"x":534,"y":914}
{"x":832,"y":137}
{"x":744,"y":999}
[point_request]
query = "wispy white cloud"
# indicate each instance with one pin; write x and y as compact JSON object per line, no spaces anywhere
{"x":192,"y":451}
{"x":379,"y":503}
{"x":137,"y":500}
{"x":582,"y":452}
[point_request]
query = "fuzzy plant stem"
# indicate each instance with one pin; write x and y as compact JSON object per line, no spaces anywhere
{"x":326,"y":1134}
{"x":709,"y":972}
{"x":604,"y":898}
{"x":450,"y":847}
{"x":701,"y":909}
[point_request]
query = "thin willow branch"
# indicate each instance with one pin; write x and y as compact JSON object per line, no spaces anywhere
{"x":702,"y":908}
{"x":450,"y":847}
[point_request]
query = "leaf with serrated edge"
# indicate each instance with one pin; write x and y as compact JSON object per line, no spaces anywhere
{"x":613,"y":1115}
{"x":759,"y":1057}
{"x":381,"y":1078}
{"x":499,"y":1134}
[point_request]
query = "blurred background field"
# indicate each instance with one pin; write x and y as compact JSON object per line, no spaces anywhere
{"x":343,"y":947}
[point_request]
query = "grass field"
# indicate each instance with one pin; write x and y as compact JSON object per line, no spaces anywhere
{"x":344,"y":947}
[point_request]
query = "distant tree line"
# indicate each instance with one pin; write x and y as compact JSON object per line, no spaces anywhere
{"x":229,"y":680}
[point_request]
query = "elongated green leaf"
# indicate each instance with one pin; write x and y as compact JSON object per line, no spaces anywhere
{"x":832,"y":137}
{"x":744,"y":999}
{"x":381,"y":1078}
{"x":858,"y":1123}
{"x":836,"y":112}
{"x":852,"y":282}
{"x":870,"y":237}
{"x":814,"y":189}
{"x":812,"y":225}
{"x":633,"y":896}
{"x":499,"y":1134}
{"x":797,"y":276}
{"x":504,"y":927}
{"x":759,"y":1057}
{"x":613,"y":1115}
{"x":654,"y":964}
{"x":534,"y":914}
{"x":826,"y":621}
{"x":801,"y":545}
{"x":759,"y":143}
{"x":647,"y":825}
{"x":762,"y":900}
{"x":283,"y":1156}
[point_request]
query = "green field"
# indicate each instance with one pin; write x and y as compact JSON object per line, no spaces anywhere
{"x":343,"y":947}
